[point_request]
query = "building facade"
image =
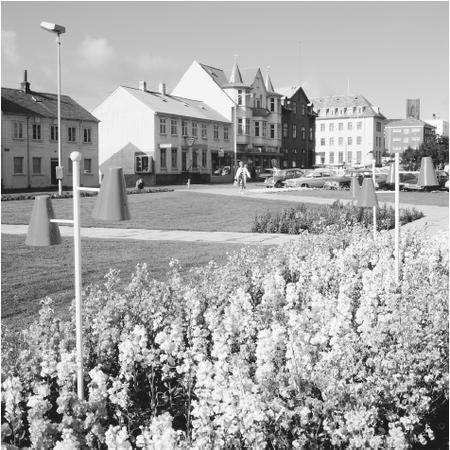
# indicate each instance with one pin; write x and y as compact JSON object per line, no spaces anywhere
{"x":413,"y":108}
{"x":349,"y":131}
{"x":440,"y":125}
{"x":30,"y":139}
{"x":298,"y":122}
{"x":248,"y":101}
{"x":407,"y":133}
{"x":161,"y":138}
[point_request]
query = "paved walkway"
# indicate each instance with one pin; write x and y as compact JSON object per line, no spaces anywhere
{"x":436,"y":221}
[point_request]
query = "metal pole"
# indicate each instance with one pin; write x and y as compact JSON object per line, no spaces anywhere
{"x":76,"y":158}
{"x":58,"y":56}
{"x":234,"y":109}
{"x":397,"y":217}
{"x":374,"y":208}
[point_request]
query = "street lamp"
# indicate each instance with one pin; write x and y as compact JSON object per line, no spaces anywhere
{"x":43,"y":230}
{"x":58,"y":29}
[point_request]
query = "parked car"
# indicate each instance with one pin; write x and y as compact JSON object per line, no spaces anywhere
{"x":276,"y":180}
{"x":262,"y":174}
{"x":412,"y":182}
{"x":380,"y":177}
{"x":315,"y":179}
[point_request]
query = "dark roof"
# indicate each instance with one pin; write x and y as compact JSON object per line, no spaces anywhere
{"x":16,"y":101}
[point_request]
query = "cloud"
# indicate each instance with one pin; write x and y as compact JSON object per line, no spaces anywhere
{"x":144,"y":61}
{"x":9,"y":47}
{"x":96,"y":52}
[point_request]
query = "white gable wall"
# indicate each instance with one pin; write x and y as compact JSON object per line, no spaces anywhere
{"x":126,"y":126}
{"x":197,"y":84}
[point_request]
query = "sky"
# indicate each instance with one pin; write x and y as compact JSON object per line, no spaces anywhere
{"x":386,"y":51}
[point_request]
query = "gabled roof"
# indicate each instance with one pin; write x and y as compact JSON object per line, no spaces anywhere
{"x":289,"y":92}
{"x":178,"y":106}
{"x":216,"y":74}
{"x":410,"y":122}
{"x":347,"y":101}
{"x":16,"y":101}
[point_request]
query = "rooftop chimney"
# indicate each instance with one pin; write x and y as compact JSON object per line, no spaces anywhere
{"x":25,"y":85}
{"x":143,"y":85}
{"x":162,"y":88}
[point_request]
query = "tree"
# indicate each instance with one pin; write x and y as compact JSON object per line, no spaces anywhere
{"x":435,"y":146}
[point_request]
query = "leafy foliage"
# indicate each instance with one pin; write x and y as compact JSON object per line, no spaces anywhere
{"x":311,"y":345}
{"x":436,"y":147}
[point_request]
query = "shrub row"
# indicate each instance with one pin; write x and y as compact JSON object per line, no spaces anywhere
{"x":313,"y":345}
{"x":68,"y":194}
{"x":316,"y":219}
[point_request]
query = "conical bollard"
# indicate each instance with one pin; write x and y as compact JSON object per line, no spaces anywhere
{"x":355,"y":188}
{"x":427,"y":174}
{"x":42,"y":232}
{"x":367,"y":196}
{"x":391,"y":175}
{"x":112,"y":202}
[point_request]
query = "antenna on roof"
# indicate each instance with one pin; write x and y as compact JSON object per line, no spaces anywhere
{"x":348,"y":86}
{"x":299,"y":61}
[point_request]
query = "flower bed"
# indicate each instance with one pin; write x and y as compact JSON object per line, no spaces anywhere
{"x":309,"y":346}
{"x":318,"y":218}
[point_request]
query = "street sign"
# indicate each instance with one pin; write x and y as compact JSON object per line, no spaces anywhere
{"x":190,"y":141}
{"x":221,"y":153}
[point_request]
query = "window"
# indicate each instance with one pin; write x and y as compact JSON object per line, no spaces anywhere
{"x":216,"y":131}
{"x":272,"y":104}
{"x":204,"y":158}
{"x":18,"y":164}
{"x":162,"y":126}
{"x":285,"y":129}
{"x":331,"y":141}
{"x":87,"y":136}
{"x":294,"y":107}
{"x":278,"y":130}
{"x":358,"y":157}
{"x":349,"y":125}
{"x":247,"y":127}
{"x":322,"y":141}
{"x":226,"y":133}
{"x":331,"y":157}
{"x":415,"y":130}
{"x":311,"y":134}
{"x":340,"y":126}
{"x":53,"y":133}
{"x":415,"y":138}
{"x":405,"y":140}
{"x":264,"y":128}
{"x":341,"y":141}
{"x":322,"y":127}
{"x":257,"y":128}
{"x":358,"y":140}
{"x":173,"y":127}
{"x":331,"y":126}
{"x":143,"y":164}
{"x":204,"y":132}
{"x":396,"y":139}
{"x":240,"y":130}
{"x":303,"y":133}
{"x":195,"y":159}
{"x":294,"y":130}
{"x":37,"y":165}
{"x":340,"y":157}
{"x":406,"y":130}
{"x":272,"y":131}
{"x":18,"y":130}
{"x":349,"y":140}
{"x":396,"y":130}
{"x":378,"y":126}
{"x":163,"y":160}
{"x":349,"y":157}
{"x":194,"y":129}
{"x":36,"y":131}
{"x":87,"y":164}
{"x":303,"y":110}
{"x":239,"y":97}
{"x":174,"y":158}
{"x":70,"y":166}
{"x":184,"y":127}
{"x":359,"y":125}
{"x":71,"y":134}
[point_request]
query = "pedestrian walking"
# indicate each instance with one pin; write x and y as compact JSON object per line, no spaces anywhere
{"x":241,"y":176}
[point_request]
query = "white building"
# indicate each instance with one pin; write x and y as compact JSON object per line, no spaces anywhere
{"x":162,"y":138}
{"x":258,"y":108}
{"x":440,"y":125}
{"x":349,"y":131}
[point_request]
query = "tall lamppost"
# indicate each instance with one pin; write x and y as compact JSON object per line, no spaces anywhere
{"x":58,"y":29}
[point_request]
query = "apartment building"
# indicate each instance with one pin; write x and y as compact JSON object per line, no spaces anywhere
{"x":407,"y":133}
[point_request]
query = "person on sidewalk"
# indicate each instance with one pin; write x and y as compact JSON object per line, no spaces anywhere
{"x":241,"y":176}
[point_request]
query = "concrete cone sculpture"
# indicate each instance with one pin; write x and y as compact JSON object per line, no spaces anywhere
{"x":367,"y":196}
{"x":112,"y":203}
{"x":427,"y":174}
{"x":354,"y":188}
{"x":42,"y":232}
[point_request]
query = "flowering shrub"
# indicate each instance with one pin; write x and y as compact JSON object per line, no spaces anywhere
{"x":310,"y":345}
{"x":338,"y":215}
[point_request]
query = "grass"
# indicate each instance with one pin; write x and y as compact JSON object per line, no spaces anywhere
{"x":32,"y":273}
{"x":162,"y":211}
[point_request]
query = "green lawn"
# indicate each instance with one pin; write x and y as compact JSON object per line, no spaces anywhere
{"x":179,"y":210}
{"x":32,"y":273}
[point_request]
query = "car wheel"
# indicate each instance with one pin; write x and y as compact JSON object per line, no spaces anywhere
{"x":304,"y":185}
{"x":278,"y":184}
{"x":345,"y":187}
